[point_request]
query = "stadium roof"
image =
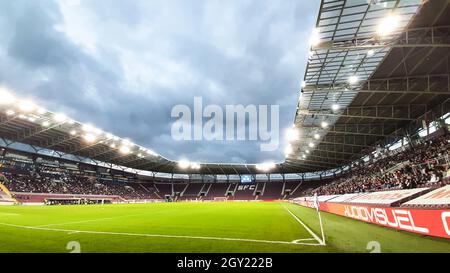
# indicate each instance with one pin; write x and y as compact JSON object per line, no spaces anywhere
{"x":374,"y":70}
{"x":364,"y":86}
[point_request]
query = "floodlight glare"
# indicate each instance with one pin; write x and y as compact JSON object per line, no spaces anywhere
{"x":370,"y":53}
{"x":60,"y":118}
{"x":311,"y":145}
{"x":292,"y":134}
{"x":10,"y":112}
{"x":6,"y":97}
{"x":124,"y":150}
{"x":41,"y":111}
{"x":183,"y":164}
{"x":26,"y":106}
{"x":73,"y":132}
{"x":316,"y":136}
{"x":315,"y":39}
{"x":324,"y":124}
{"x":388,"y":25}
{"x":89,"y":137}
{"x":353,"y":79}
{"x":335,"y":107}
{"x":288,"y":150}
{"x":266,"y":166}
{"x":45,"y":123}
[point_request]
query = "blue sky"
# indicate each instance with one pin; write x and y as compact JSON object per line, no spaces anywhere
{"x":123,"y":65}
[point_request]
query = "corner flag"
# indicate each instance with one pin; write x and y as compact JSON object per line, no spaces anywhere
{"x":316,"y":202}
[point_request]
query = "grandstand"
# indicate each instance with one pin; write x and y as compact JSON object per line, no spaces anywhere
{"x":372,"y":118}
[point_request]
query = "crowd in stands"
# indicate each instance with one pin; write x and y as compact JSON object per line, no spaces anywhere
{"x":423,"y":164}
{"x":52,"y":180}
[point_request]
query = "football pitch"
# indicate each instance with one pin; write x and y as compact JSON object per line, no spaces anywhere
{"x":196,"y":227}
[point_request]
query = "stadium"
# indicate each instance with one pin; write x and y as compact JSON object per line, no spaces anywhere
{"x":366,"y":168}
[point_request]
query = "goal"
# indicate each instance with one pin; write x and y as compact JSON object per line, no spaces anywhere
{"x":220,"y":199}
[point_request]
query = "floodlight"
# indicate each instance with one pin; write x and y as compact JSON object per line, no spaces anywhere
{"x":324,"y":124}
{"x":314,"y":40}
{"x":288,"y":150}
{"x":10,"y":112}
{"x":292,"y":134}
{"x":124,"y":150}
{"x":45,"y":123}
{"x":316,"y":136}
{"x":387,"y":25}
{"x":26,"y":106}
{"x":353,"y":79}
{"x":335,"y":107}
{"x":183,"y":164}
{"x":60,"y":118}
{"x":311,"y":145}
{"x":89,"y":137}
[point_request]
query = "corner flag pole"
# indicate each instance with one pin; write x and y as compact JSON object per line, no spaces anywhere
{"x":317,"y":205}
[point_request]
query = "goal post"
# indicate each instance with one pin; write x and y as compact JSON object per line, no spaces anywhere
{"x":220,"y":199}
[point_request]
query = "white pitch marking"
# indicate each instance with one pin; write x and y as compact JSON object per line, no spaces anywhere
{"x":306,"y":227}
{"x":159,"y":235}
{"x":91,"y":220}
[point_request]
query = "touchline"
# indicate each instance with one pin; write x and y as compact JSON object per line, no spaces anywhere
{"x":236,"y":122}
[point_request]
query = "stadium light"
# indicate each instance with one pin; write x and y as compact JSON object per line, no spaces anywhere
{"x":124,"y":150}
{"x":288,"y":150}
{"x":60,"y":118}
{"x":353,"y":79}
{"x":31,"y":119}
{"x":150,"y":152}
{"x":315,"y":39}
{"x":307,"y":151}
{"x":183,"y":164}
{"x":370,"y":53}
{"x":335,"y":107}
{"x":303,"y":84}
{"x":26,"y":106}
{"x":73,"y":132}
{"x":195,"y":166}
{"x":388,"y":25}
{"x":113,"y":145}
{"x":41,"y":111}
{"x":10,"y":112}
{"x":324,"y":124}
{"x":292,"y":134}
{"x":6,"y":97}
{"x":311,"y":145}
{"x":89,"y":137}
{"x":45,"y":123}
{"x":266,"y":166}
{"x":316,"y":136}
{"x":109,"y":136}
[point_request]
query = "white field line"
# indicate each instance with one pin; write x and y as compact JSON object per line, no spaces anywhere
{"x":306,"y":227}
{"x":91,"y":220}
{"x":71,"y":231}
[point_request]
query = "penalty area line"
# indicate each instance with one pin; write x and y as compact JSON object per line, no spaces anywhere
{"x":306,"y":227}
{"x":71,"y":231}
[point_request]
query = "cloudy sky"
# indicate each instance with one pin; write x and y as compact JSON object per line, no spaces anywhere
{"x":123,"y":65}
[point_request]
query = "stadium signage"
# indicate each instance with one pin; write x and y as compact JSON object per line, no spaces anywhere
{"x":428,"y":222}
{"x":400,"y":218}
{"x":246,"y":187}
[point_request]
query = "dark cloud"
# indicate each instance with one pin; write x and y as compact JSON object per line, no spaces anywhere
{"x":123,"y":65}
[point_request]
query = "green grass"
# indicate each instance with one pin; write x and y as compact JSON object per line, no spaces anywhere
{"x":128,"y":228}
